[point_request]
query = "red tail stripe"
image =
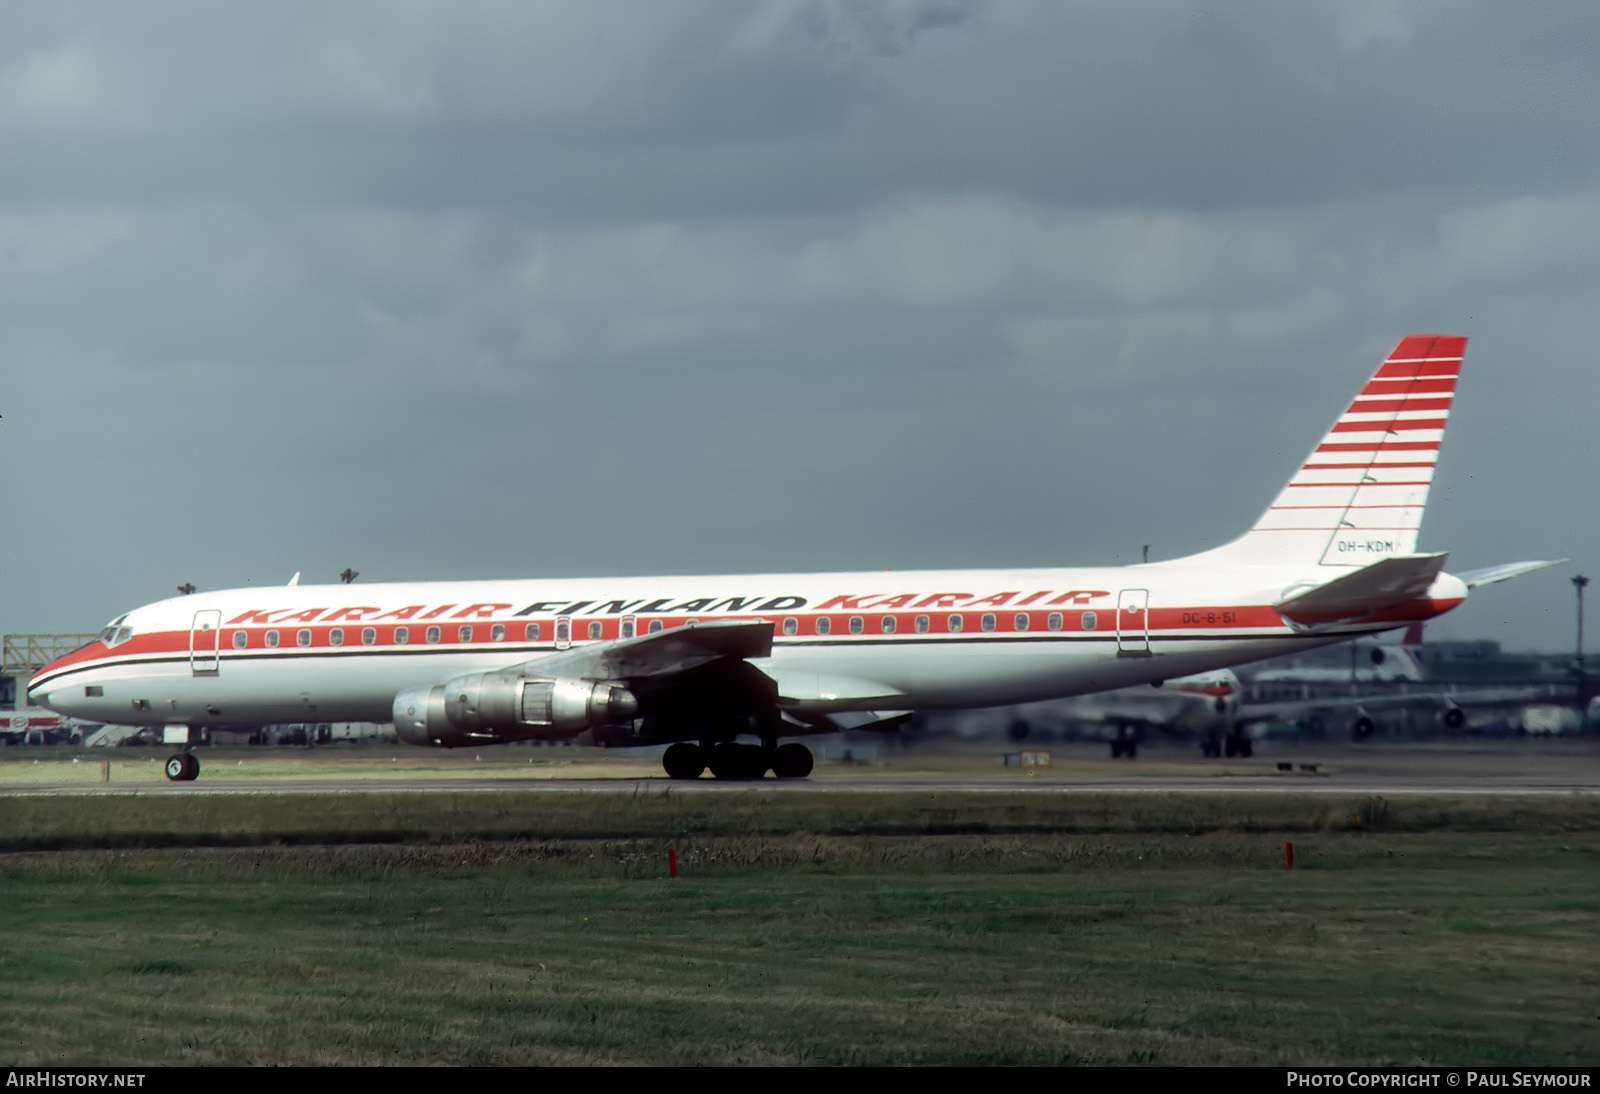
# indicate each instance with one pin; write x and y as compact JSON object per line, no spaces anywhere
{"x":1429,"y":345}
{"x":1383,"y":446}
{"x":1305,"y":484}
{"x":1408,"y":387}
{"x":1353,"y":466}
{"x":1397,"y":425}
{"x":1389,"y":406}
{"x":1419,"y":368}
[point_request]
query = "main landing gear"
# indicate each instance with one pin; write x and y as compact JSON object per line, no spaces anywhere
{"x":1125,"y":743}
{"x":729,"y":760}
{"x":183,"y":767}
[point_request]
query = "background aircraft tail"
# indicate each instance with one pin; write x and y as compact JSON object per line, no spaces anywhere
{"x":1359,"y":497}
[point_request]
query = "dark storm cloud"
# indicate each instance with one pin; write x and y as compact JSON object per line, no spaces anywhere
{"x":518,"y":289}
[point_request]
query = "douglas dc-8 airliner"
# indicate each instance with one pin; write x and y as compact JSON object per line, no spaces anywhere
{"x":700,"y":662}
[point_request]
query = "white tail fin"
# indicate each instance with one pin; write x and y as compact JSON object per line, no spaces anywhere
{"x":1359,"y":496}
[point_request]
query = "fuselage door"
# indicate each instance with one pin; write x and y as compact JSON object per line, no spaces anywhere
{"x":205,"y":636}
{"x":563,"y":632}
{"x":1133,"y":623}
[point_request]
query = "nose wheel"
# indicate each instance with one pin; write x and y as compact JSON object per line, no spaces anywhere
{"x":183,"y":768}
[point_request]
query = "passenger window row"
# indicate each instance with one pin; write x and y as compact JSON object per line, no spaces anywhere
{"x":952,"y":623}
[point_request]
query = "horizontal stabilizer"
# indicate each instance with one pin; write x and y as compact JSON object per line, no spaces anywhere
{"x":1489,"y":575}
{"x":1364,"y":592}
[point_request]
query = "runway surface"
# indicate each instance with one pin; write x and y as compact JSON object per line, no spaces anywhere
{"x":1519,"y":768}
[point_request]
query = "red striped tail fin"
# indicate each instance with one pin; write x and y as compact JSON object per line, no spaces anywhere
{"x":1359,"y":496}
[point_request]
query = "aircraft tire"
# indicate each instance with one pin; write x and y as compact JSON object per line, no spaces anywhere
{"x":1246,"y":749}
{"x":792,"y":761}
{"x":684,"y":761}
{"x":1363,"y":728}
{"x":177,"y":769}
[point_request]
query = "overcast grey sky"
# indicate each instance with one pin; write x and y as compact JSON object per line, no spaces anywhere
{"x":519,"y":289}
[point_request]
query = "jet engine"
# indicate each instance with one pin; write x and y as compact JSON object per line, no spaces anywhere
{"x":490,"y":706}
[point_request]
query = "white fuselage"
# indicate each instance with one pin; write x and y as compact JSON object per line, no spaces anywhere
{"x":851,"y":641}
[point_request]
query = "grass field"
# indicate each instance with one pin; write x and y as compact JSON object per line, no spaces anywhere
{"x":805,"y":928}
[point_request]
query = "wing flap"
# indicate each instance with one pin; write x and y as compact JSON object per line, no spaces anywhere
{"x":815,"y":690}
{"x":660,"y":654}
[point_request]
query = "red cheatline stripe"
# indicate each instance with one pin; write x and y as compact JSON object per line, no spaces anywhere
{"x":1394,"y":369}
{"x":1409,"y":387}
{"x":1388,"y":406}
{"x":1305,"y":484}
{"x":1382,"y":446}
{"x":1352,"y":466}
{"x":1396,"y":425}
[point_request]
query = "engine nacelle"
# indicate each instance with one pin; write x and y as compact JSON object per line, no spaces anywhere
{"x":488,"y":706}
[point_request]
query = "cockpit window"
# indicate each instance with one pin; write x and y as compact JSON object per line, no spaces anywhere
{"x":116,"y":633}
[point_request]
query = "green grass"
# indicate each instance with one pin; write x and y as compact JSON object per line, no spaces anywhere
{"x":659,"y":810}
{"x":805,"y":928}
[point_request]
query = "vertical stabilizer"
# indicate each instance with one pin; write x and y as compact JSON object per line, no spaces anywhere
{"x":1359,"y":496}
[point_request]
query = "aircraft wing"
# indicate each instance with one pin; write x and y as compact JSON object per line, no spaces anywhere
{"x":664,"y":653}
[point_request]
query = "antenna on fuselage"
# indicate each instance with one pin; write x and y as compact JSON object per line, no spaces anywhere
{"x":295,"y":580}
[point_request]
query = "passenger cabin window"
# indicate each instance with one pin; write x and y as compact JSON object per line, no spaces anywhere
{"x":336,"y":636}
{"x":402,"y":635}
{"x":1054,"y":622}
{"x":596,"y":629}
{"x":922,"y":624}
{"x":464,"y":634}
{"x":272,"y":639}
{"x":369,"y":635}
{"x":824,"y":625}
{"x":887,"y":624}
{"x":530,"y":633}
{"x":1019,"y":621}
{"x":302,"y":637}
{"x":241,"y":639}
{"x":791,"y":625}
{"x":1089,"y":621}
{"x":433,"y":634}
{"x":628,"y":627}
{"x":857,"y":624}
{"x":563,"y":631}
{"x":497,"y":633}
{"x":655,"y":626}
{"x":953,"y":624}
{"x":987,"y":622}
